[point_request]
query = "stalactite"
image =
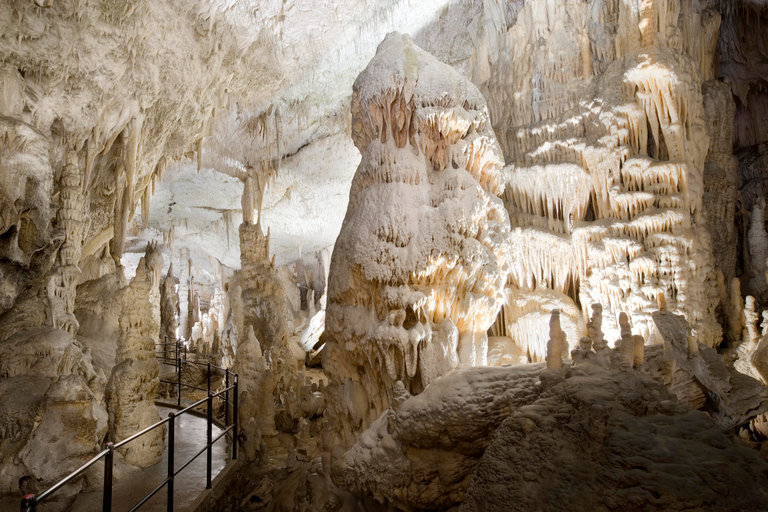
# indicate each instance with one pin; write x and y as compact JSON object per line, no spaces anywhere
{"x":605,"y":192}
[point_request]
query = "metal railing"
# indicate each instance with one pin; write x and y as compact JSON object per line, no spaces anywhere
{"x":30,"y":501}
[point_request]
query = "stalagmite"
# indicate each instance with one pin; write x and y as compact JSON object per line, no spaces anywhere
{"x":594,"y":328}
{"x":418,"y":271}
{"x":639,"y":351}
{"x":264,"y":303}
{"x":626,"y":344}
{"x":184,"y":329}
{"x":556,"y":342}
{"x":584,"y":350}
{"x":735,"y":312}
{"x":750,"y":323}
{"x":169,"y":312}
{"x":134,"y":381}
{"x":256,"y":385}
{"x":764,"y":324}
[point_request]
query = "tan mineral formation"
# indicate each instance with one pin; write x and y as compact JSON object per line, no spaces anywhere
{"x":133,"y":385}
{"x":419,"y":267}
{"x":603,"y":125}
{"x":512,"y":256}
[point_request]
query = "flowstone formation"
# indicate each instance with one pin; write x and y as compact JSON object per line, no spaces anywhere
{"x":133,"y":385}
{"x":596,"y":433}
{"x":93,"y":106}
{"x":47,"y":377}
{"x":600,"y":110}
{"x":418,"y":270}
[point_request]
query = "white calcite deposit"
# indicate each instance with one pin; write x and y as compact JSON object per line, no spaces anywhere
{"x":603,"y":125}
{"x":419,"y":268}
{"x":133,"y":385}
{"x":548,"y":291}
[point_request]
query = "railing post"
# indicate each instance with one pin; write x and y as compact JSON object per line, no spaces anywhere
{"x":234,"y":423}
{"x":108,"y":460}
{"x":171,"y":443}
{"x":209,"y":379}
{"x":226,"y":398}
{"x":28,"y":503}
{"x":209,"y":451}
{"x":178,"y":385}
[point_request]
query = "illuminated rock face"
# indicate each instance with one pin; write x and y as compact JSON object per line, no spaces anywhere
{"x":133,"y":385}
{"x":604,"y":131}
{"x":418,"y":270}
{"x":482,"y":438}
{"x":264,"y":304}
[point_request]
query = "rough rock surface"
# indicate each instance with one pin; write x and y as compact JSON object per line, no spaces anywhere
{"x":71,"y":426}
{"x":606,"y":427}
{"x":419,"y":267}
{"x":133,"y":385}
{"x":607,"y":440}
{"x":421,"y":453}
{"x":169,"y":313}
{"x":600,"y":111}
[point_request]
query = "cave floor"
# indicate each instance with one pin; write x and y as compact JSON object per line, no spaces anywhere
{"x":131,"y":484}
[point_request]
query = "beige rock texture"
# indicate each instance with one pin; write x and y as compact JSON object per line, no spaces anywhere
{"x":530,"y":437}
{"x":602,"y":439}
{"x":256,"y":387}
{"x":600,"y":110}
{"x":419,"y":267}
{"x":169,"y":312}
{"x":87,"y":123}
{"x":134,"y":381}
{"x":421,"y":453}
{"x":627,"y":230}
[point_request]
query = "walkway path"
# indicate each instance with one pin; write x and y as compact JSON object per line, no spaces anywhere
{"x":131,"y":484}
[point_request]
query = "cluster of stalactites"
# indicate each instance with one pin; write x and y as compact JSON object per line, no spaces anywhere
{"x":606,"y":202}
{"x":442,"y":132}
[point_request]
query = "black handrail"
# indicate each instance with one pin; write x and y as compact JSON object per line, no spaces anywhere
{"x":29,"y":502}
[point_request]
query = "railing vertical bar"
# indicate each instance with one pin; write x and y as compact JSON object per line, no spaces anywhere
{"x":178,"y":385}
{"x":209,"y":451}
{"x":234,"y":422}
{"x":29,"y":501}
{"x":226,"y":398}
{"x":209,"y":379}
{"x":171,"y":445}
{"x":108,"y":463}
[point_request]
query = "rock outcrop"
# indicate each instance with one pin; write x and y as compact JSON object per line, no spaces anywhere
{"x":418,"y":270}
{"x":596,"y":433}
{"x":133,"y":385}
{"x":600,"y":110}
